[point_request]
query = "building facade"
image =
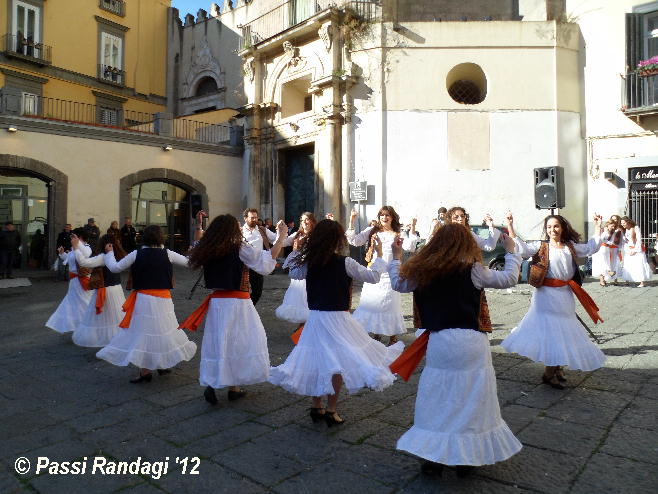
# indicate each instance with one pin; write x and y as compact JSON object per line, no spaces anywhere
{"x":84,"y":126}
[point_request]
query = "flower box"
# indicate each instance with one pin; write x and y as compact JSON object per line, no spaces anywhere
{"x":647,"y":68}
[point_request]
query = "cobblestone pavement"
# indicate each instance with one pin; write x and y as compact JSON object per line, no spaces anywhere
{"x":58,"y":401}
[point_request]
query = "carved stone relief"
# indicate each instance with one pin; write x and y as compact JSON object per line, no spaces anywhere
{"x":326,"y":34}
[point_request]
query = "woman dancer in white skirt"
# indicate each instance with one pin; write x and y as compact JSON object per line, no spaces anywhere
{"x":550,"y":332}
{"x":101,"y":320}
{"x":72,"y":308}
{"x":380,"y":310}
{"x":606,"y":262}
{"x":457,"y":418}
{"x":234,"y":348}
{"x":333,"y":348}
{"x":294,"y":307}
{"x":635,"y":267}
{"x":150,"y":338}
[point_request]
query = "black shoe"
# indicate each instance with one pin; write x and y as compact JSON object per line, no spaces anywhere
{"x":236,"y":395}
{"x":331,"y":420}
{"x":317,"y":414}
{"x":432,"y":468}
{"x":210,"y":396}
{"x":162,"y":372}
{"x":552,"y":381}
{"x":464,"y":470}
{"x":144,"y":378}
{"x":559,"y":373}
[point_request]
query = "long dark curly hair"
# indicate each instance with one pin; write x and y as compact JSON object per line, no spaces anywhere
{"x":222,"y":237}
{"x":568,"y":233}
{"x":326,"y":239}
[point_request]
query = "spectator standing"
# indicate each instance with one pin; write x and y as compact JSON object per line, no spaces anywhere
{"x":64,"y":242}
{"x":10,"y":241}
{"x":260,"y":238}
{"x":93,"y":233}
{"x":128,"y":235}
{"x":114,"y":230}
{"x":37,"y":247}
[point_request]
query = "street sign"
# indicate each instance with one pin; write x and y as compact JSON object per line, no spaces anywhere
{"x":358,"y":191}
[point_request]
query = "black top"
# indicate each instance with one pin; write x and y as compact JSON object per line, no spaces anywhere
{"x":449,"y":302}
{"x":64,"y":240}
{"x":328,"y":287}
{"x":128,"y":235}
{"x":152,"y":270}
{"x":110,"y":278}
{"x":224,"y":273}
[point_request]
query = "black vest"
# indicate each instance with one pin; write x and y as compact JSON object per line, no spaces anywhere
{"x":152,"y":270}
{"x":449,"y":302}
{"x":328,"y":287}
{"x":110,"y":278}
{"x":224,"y":273}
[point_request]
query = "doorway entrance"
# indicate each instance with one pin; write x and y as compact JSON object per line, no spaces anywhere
{"x":24,"y":202}
{"x":299,"y":181}
{"x":165,"y":205}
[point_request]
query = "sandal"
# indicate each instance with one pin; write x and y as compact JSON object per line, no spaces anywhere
{"x":332,"y":418}
{"x":317,"y":414}
{"x":552,"y":381}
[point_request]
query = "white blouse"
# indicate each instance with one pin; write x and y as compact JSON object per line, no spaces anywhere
{"x":359,"y":239}
{"x":561,"y":265}
{"x":481,"y":276}
{"x":70,"y":257}
{"x":129,"y":260}
{"x":628,"y":240}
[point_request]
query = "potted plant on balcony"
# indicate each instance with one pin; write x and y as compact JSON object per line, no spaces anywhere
{"x":649,"y":67}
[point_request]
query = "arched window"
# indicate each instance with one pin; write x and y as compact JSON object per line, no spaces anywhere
{"x":207,"y":85}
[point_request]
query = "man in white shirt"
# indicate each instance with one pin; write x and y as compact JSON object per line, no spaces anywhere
{"x":260,"y":238}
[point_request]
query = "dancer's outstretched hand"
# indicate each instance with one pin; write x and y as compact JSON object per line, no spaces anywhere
{"x":488,"y":220}
{"x":509,"y":218}
{"x":508,"y":243}
{"x":377,"y":245}
{"x":396,"y":247}
{"x":108,"y":248}
{"x":282,"y":228}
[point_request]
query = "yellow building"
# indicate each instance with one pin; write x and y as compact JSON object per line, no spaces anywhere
{"x":84,"y":128}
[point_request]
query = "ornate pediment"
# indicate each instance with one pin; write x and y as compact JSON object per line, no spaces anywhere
{"x":203,"y":64}
{"x":295,"y":61}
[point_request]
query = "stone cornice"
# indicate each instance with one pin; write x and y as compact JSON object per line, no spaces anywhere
{"x":110,"y":23}
{"x":22,"y":75}
{"x":117,"y":135}
{"x":111,"y":97}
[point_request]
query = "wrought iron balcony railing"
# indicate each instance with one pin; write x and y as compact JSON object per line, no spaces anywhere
{"x":293,"y":12}
{"x":117,"y":7}
{"x":639,"y":94}
{"x":17,"y":45}
{"x":77,"y":113}
{"x":114,"y":75}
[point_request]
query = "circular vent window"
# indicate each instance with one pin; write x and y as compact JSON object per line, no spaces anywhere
{"x":467,"y":84}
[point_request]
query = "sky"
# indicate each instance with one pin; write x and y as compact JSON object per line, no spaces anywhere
{"x":192,"y":6}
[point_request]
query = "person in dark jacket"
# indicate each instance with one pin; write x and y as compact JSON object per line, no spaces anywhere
{"x":128,"y":236}
{"x":64,"y":241}
{"x":93,"y":233}
{"x":10,"y":241}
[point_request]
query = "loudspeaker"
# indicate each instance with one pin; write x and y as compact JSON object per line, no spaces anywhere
{"x":196,"y":203}
{"x":549,"y":187}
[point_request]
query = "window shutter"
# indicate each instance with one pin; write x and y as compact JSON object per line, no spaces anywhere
{"x":633,"y":41}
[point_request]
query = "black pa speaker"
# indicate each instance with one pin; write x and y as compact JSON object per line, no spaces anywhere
{"x":196,"y":202}
{"x":549,"y":187}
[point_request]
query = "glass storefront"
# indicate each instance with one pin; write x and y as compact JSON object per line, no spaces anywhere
{"x":165,"y":205}
{"x":24,"y":201}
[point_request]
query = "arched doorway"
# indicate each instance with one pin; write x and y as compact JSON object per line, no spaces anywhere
{"x":166,"y":205}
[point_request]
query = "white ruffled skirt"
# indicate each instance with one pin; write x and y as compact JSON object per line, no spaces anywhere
{"x":457,"y":417}
{"x":380,"y":308}
{"x":635,"y":268}
{"x":153,"y":340}
{"x":332,"y":342}
{"x":234,"y":347}
{"x":606,"y":260}
{"x":71,"y":309}
{"x":96,"y":330}
{"x":294,"y":307}
{"x":550,"y":332}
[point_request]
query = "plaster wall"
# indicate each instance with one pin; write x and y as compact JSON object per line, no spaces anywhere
{"x":94,"y":169}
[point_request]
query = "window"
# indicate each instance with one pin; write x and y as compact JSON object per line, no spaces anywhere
{"x":207,"y":85}
{"x":111,"y":49}
{"x":467,"y":84}
{"x":117,"y":7}
{"x":109,"y":116}
{"x":29,"y":104}
{"x":641,"y":44}
{"x":109,"y":109}
{"x":25,"y":27}
{"x":295,"y":98}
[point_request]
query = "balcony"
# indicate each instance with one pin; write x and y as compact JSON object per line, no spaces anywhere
{"x":112,"y":75}
{"x":639,"y":95}
{"x":117,"y":7}
{"x":25,"y":49}
{"x":294,"y":12}
{"x":71,"y":115}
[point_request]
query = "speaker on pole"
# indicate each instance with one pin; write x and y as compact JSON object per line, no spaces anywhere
{"x":196,"y":203}
{"x":549,"y":187}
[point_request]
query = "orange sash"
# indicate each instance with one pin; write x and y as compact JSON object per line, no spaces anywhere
{"x":129,"y":305}
{"x":194,"y":320}
{"x":101,"y":295}
{"x":84,"y":280}
{"x":612,"y":246}
{"x":583,"y":297}
{"x":407,"y":362}
{"x":297,"y":334}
